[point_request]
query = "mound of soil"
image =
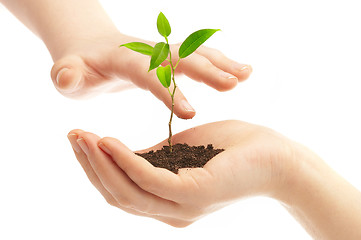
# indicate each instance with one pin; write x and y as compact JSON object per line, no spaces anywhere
{"x":182,"y":156}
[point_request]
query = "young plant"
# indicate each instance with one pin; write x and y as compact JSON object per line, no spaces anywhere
{"x":161,"y":53}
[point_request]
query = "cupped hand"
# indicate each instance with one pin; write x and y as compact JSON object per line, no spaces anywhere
{"x":88,"y":67}
{"x":255,"y":162}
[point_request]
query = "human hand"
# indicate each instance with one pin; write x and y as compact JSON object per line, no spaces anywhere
{"x":95,"y":64}
{"x":255,"y":162}
{"x":83,"y":42}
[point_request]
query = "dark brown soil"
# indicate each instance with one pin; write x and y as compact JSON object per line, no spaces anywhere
{"x":182,"y":156}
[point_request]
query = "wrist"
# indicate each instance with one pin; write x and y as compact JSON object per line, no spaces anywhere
{"x":69,"y":38}
{"x":320,"y":199}
{"x":301,"y":172}
{"x":61,"y":25}
{"x":74,"y":42}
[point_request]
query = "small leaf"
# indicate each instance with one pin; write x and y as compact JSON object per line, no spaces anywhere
{"x":194,"y":41}
{"x":164,"y":75}
{"x":163,"y":25}
{"x":139,"y":47}
{"x":160,"y":53}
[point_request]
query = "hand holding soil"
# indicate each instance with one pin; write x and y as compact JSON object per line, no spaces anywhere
{"x":255,"y":162}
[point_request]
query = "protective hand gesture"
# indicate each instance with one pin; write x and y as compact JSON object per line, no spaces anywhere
{"x":253,"y":163}
{"x":92,"y":66}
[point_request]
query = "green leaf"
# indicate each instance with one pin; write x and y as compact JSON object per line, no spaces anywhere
{"x":139,"y":47}
{"x":160,"y":53}
{"x":163,"y":25}
{"x":164,"y":75}
{"x":194,"y":41}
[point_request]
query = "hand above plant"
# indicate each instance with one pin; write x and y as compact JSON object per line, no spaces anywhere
{"x":106,"y":68}
{"x":83,"y":43}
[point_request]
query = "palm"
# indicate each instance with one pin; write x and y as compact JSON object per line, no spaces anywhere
{"x":250,"y":153}
{"x":251,"y":164}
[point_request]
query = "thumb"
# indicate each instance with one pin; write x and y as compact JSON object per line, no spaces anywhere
{"x":67,"y":75}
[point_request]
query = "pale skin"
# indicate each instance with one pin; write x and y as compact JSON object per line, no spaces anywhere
{"x":83,"y":42}
{"x":256,"y":161}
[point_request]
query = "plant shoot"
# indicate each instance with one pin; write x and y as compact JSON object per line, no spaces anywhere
{"x":161,"y":53}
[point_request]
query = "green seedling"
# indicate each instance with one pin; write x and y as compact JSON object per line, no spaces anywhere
{"x":161,"y":53}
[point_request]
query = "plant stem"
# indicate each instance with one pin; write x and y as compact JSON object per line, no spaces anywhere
{"x":172,"y":110}
{"x":170,"y":124}
{"x":172,"y":96}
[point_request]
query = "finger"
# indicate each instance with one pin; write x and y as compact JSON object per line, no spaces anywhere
{"x":67,"y":75}
{"x":202,"y":69}
{"x":218,"y":59}
{"x":185,"y":189}
{"x":158,"y":181}
{"x":182,"y":107}
{"x":127,"y":193}
{"x":149,"y":81}
{"x":83,"y":160}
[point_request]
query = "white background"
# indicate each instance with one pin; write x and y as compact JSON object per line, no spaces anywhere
{"x":306,"y":57}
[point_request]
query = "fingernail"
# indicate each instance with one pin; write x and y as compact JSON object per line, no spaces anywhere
{"x":187,"y":106}
{"x":104,"y":148}
{"x":72,"y":138}
{"x":83,"y":145}
{"x":60,"y":73}
{"x":245,"y":68}
{"x":227,"y":75}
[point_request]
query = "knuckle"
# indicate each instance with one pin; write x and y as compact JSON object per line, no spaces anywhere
{"x":139,"y":63}
{"x":218,"y":53}
{"x":146,"y":207}
{"x":206,"y":63}
{"x":124,"y":202}
{"x":146,"y":184}
{"x":112,"y":202}
{"x":193,"y":214}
